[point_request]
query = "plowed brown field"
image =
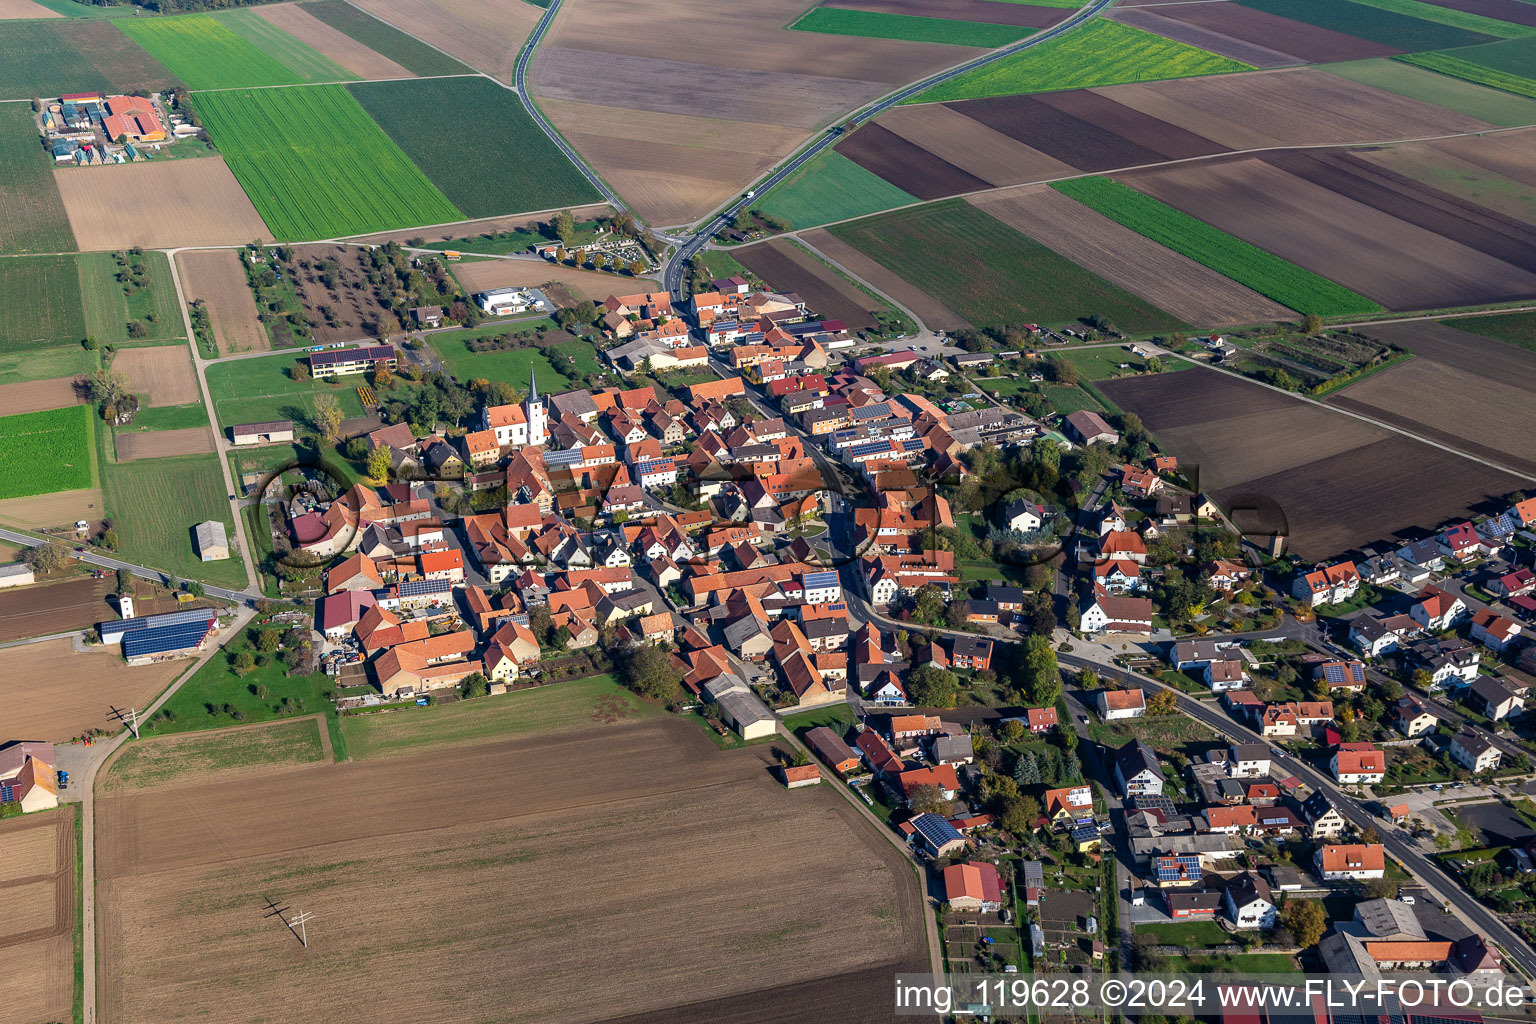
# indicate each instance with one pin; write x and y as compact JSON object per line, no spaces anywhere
{"x":61,"y":508}
{"x":52,"y":692}
{"x":152,"y":444}
{"x":485,"y":34}
{"x":588,"y":284}
{"x":1204,"y":38}
{"x":1176,"y":283}
{"x":37,"y":395}
{"x":37,"y":935}
{"x":216,"y":277}
{"x":1306,"y":42}
{"x":176,"y":202}
{"x":934,"y":314}
{"x":163,"y":371}
{"x":25,"y":9}
{"x":1330,"y":482}
{"x":487,"y":901}
{"x":790,"y":269}
{"x":335,"y":44}
{"x":971,"y":145}
{"x":54,"y":607}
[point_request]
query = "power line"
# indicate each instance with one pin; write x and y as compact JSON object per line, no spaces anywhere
{"x":130,"y":718}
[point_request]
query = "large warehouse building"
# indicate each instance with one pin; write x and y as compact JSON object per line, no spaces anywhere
{"x":157,"y":636}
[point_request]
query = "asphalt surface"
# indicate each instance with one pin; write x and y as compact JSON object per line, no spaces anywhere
{"x":92,"y":556}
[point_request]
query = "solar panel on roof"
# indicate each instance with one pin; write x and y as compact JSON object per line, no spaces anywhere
{"x":1333,"y":673}
{"x":161,"y":638}
{"x":569,"y":457}
{"x":817,"y":580}
{"x":417,"y":588}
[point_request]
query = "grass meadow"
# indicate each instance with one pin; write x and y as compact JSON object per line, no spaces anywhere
{"x":109,"y":305}
{"x":44,"y":452}
{"x":1508,"y":66}
{"x":831,"y":187}
{"x":1495,"y":106}
{"x":840,"y":21}
{"x":42,"y":302}
{"x":32,"y":217}
{"x":253,"y":390}
{"x":155,"y":503}
{"x":205,"y":53}
{"x":308,"y":63}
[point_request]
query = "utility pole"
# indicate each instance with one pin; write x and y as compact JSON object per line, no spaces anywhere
{"x":299,"y":919}
{"x":130,"y":718}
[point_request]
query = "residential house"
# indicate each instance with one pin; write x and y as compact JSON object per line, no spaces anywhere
{"x":975,"y":886}
{"x":1137,"y":771}
{"x":1472,"y":749}
{"x":1327,"y":584}
{"x":28,"y":776}
{"x":1086,"y":427}
{"x":1323,"y":819}
{"x":1358,"y":766}
{"x":1113,"y":704}
{"x":1497,"y":701}
{"x":1348,"y":676}
{"x":1106,"y":614}
{"x":1435,"y":609}
{"x":971,"y":653}
{"x":1249,"y":902}
{"x":1350,"y":863}
{"x":1493,"y":630}
{"x":1411,"y":716}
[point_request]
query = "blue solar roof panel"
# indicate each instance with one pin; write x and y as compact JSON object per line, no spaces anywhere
{"x":417,"y":588}
{"x":1177,"y":868}
{"x":159,"y":639}
{"x":569,"y":457}
{"x":935,"y":829}
{"x":869,"y":448}
{"x":1333,"y":673}
{"x":820,"y":580}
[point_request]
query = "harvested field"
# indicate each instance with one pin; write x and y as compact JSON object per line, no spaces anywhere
{"x":40,"y":933}
{"x":1288,"y":215}
{"x":337,"y":45}
{"x":972,"y":146}
{"x":934,"y":314}
{"x":151,"y":444}
{"x":587,"y":284}
{"x":486,"y":225}
{"x":216,"y":277}
{"x":37,"y":395}
{"x":909,"y":167}
{"x":1425,"y":163}
{"x":1332,"y":482}
{"x":799,"y":864}
{"x":62,"y":508}
{"x":1309,"y":43}
{"x":1026,"y":15}
{"x":56,"y":693}
{"x":25,"y":9}
{"x":485,"y":34}
{"x":1374,"y":23}
{"x":1513,"y":11}
{"x":1491,"y":105}
{"x":1301,"y":107}
{"x":788,"y":268}
{"x":1205,"y":38}
{"x":1453,"y":371}
{"x":1510,"y":154}
{"x":54,"y":607}
{"x":178,"y":202}
{"x":259,"y":751}
{"x":383,"y":39}
{"x":163,"y":372}
{"x":1191,"y":292}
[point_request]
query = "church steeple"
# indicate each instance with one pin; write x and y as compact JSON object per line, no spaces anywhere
{"x":533,"y":387}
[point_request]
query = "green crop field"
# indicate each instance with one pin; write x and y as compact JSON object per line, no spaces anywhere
{"x":76,"y":9}
{"x":991,"y":274}
{"x":1451,"y":92}
{"x":1509,"y":65}
{"x":43,"y":452}
{"x":1264,"y":272}
{"x":308,"y":63}
{"x":205,"y":54}
{"x":407,"y":51}
{"x":1068,"y":4}
{"x":253,"y":390}
{"x":39,"y":61}
{"x":17,"y":364}
{"x":316,"y":166}
{"x":1382,"y":26}
{"x":42,"y":302}
{"x":110,"y":305}
{"x":155,"y":503}
{"x":170,"y":417}
{"x":1098,"y":53}
{"x":31,"y":214}
{"x":497,"y":161}
{"x":838,"y":21}
{"x":1511,"y":328}
{"x":511,"y":365}
{"x":1452,"y":17}
{"x":831,"y":187}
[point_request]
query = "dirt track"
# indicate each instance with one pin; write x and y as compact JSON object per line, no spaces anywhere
{"x":216,"y":277}
{"x":37,"y":395}
{"x":164,"y":371}
{"x":37,"y":937}
{"x":54,"y":693}
{"x":504,"y":890}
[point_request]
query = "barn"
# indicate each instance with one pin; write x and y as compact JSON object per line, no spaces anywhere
{"x":270,"y":432}
{"x":212,"y":541}
{"x":153,"y":636}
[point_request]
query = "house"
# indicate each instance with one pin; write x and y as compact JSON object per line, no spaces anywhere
{"x":212,"y":541}
{"x":1177,"y":870}
{"x":1327,"y":584}
{"x":1086,"y":427}
{"x":798,"y":775}
{"x":1497,"y":700}
{"x":1240,"y":819}
{"x":334,"y":362}
{"x":973,"y":886}
{"x":1411,"y":717}
{"x":1072,"y":805}
{"x":1040,"y":720}
{"x":1034,"y":882}
{"x":1348,"y":676}
{"x":1375,"y":635}
{"x":747,"y":716}
{"x":972,"y":653}
{"x":1446,"y":660}
{"x":1024,"y":516}
{"x":934,"y":833}
{"x":829,"y":746}
{"x":1459,"y":541}
{"x":1493,"y":630}
{"x":1435,"y":609}
{"x":1249,"y":902}
{"x":1250,"y":760}
{"x":1137,"y":770}
{"x":1106,"y":614}
{"x":1192,"y":904}
{"x":1138,"y":482}
{"x":953,"y":749}
{"x":1358,"y":766}
{"x":1423,"y":553}
{"x":878,"y":753}
{"x":266,"y":432}
{"x":1471,"y":749}
{"x":28,"y":776}
{"x":1355,"y":862}
{"x":1519,"y":583}
{"x":1323,"y":819}
{"x":1115,"y":704}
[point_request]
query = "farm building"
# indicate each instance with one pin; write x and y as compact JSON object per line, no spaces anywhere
{"x":133,"y":117}
{"x":154,"y":636}
{"x":27,"y":775}
{"x":973,"y":886}
{"x":338,"y":362}
{"x":17,"y":574}
{"x":506,"y":301}
{"x":270,"y":432}
{"x":746,"y":716}
{"x":212,"y":541}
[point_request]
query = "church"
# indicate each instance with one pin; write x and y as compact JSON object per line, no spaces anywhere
{"x":519,"y":425}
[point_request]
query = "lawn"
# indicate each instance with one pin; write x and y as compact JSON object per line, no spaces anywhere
{"x":1264,"y":272}
{"x":991,"y":274}
{"x":110,"y":303}
{"x":32,"y":216}
{"x":43,"y":452}
{"x":1512,"y":328}
{"x":205,"y":53}
{"x":837,"y":717}
{"x":252,"y":390}
{"x":1097,"y":53}
{"x":511,"y":365}
{"x":1069,"y":398}
{"x":200,"y":702}
{"x":830,"y":187}
{"x":170,"y":417}
{"x":1104,"y":363}
{"x":309,"y":64}
{"x":1241,"y":963}
{"x":407,"y":51}
{"x":839,"y":21}
{"x":1190,"y":934}
{"x":497,"y":161}
{"x":1369,"y":22}
{"x":43,"y":305}
{"x":285,"y":146}
{"x":1509,"y":65}
{"x":18,"y":364}
{"x":155,"y":503}
{"x":146,"y":764}
{"x":1450,"y":16}
{"x":1495,"y":106}
{"x":574,"y":704}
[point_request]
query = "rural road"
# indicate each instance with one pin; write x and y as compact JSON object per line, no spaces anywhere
{"x":91,"y":557}
{"x":672,"y":274}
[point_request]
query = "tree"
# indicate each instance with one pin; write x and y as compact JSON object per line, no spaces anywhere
{"x":124,"y":582}
{"x":928,"y":606}
{"x":299,"y":371}
{"x":474,"y":685}
{"x":1380,"y":889}
{"x":649,"y":672}
{"x":1026,"y":770}
{"x":1312,"y":323}
{"x":636,"y":267}
{"x":382,"y":378}
{"x":1154,"y":365}
{"x":268,"y":640}
{"x":1062,"y":372}
{"x":1015,"y":818}
{"x":1088,"y":679}
{"x":563,"y":225}
{"x":328,"y":417}
{"x":379,"y":463}
{"x":1163,"y":702}
{"x":1040,"y":678}
{"x":927,"y":800}
{"x":1013,"y":729}
{"x":933,"y":687}
{"x":109,"y":387}
{"x":245,"y":663}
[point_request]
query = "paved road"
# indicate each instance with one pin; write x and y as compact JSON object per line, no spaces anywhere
{"x":672,"y":278}
{"x":93,"y":557}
